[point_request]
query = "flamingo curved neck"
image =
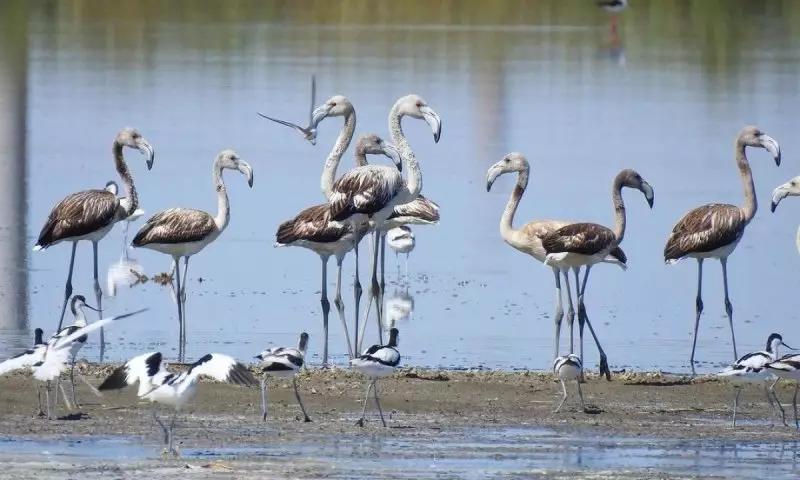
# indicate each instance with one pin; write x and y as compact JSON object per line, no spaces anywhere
{"x":414,"y":182}
{"x":127,"y":179}
{"x":619,"y":211}
{"x":750,"y":201}
{"x":332,"y":162}
{"x":506,"y":221}
{"x":223,"y":207}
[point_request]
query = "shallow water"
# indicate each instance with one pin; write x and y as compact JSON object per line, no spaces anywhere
{"x":462,"y":453}
{"x":666,"y":97}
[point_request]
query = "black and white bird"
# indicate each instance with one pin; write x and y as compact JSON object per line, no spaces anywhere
{"x":613,"y":6}
{"x":568,"y":367}
{"x":58,"y":353}
{"x":176,"y":390}
{"x":283,"y":362}
{"x":401,"y":240}
{"x":76,"y":306}
{"x":751,"y":368}
{"x":376,"y":362}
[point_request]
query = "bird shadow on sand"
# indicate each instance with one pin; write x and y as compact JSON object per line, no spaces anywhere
{"x":74,"y":416}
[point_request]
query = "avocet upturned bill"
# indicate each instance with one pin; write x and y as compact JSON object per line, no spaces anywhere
{"x":751,"y":368}
{"x":176,"y":390}
{"x":569,"y":367}
{"x":376,"y":362}
{"x":283,"y":362}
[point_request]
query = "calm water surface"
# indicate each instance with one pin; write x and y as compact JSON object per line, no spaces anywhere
{"x":666,"y":97}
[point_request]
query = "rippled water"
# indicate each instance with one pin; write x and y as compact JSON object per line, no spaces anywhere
{"x":667,"y":97}
{"x":484,"y":453}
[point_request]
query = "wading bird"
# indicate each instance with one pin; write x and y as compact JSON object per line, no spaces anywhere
{"x":376,"y":362}
{"x":283,"y":362}
{"x":569,"y":367}
{"x":370,"y":193}
{"x":528,"y":239}
{"x":90,"y":215}
{"x":183,"y":232}
{"x":715,"y":229}
{"x":401,"y":240}
{"x":788,"y":366}
{"x":751,"y":368}
{"x":788,"y":189}
{"x":176,"y":390}
{"x":76,"y":307}
{"x":314,"y":229}
{"x":585,"y":244}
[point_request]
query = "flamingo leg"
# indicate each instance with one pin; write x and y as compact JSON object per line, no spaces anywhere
{"x":337,"y":301}
{"x":372,"y":293}
{"x":583,"y":318}
{"x":698,"y":309}
{"x":559,"y":315}
{"x":570,"y":312}
{"x":357,"y":291}
{"x":728,"y":304}
{"x":180,"y":309}
{"x":68,"y":286}
{"x":381,"y":289}
{"x":326,"y":308}
{"x":98,"y":295}
{"x":182,"y":299}
{"x":264,"y":399}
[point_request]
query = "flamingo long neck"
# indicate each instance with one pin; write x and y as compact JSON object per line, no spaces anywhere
{"x":619,"y":210}
{"x":361,"y":156}
{"x":127,"y":179}
{"x":506,"y":221}
{"x":750,"y":201}
{"x":223,"y":207}
{"x":332,"y":162}
{"x":414,"y":182}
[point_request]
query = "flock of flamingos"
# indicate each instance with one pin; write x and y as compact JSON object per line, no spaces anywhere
{"x":376,"y":199}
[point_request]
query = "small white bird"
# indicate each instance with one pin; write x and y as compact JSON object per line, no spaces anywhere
{"x":58,"y":353}
{"x":751,"y":368}
{"x":376,"y":362}
{"x":176,"y":390}
{"x":401,"y":240}
{"x":76,"y":307}
{"x":283,"y":362}
{"x":568,"y":367}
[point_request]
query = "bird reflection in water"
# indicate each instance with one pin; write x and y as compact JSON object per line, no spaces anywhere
{"x":398,"y":308}
{"x":127,"y":271}
{"x":614,"y":50}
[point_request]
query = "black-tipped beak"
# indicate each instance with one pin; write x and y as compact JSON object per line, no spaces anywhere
{"x":772,"y":207}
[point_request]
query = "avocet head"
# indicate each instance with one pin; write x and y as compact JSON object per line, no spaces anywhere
{"x":513,"y":162}
{"x":394,"y":337}
{"x":77,"y":304}
{"x":752,"y":136}
{"x":788,"y":189}
{"x":232,"y":161}
{"x":630,"y":178}
{"x":37,"y":336}
{"x":416,"y":107}
{"x":131,"y":138}
{"x":303,"y":345}
{"x":774,"y":341}
{"x":372,"y":144}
